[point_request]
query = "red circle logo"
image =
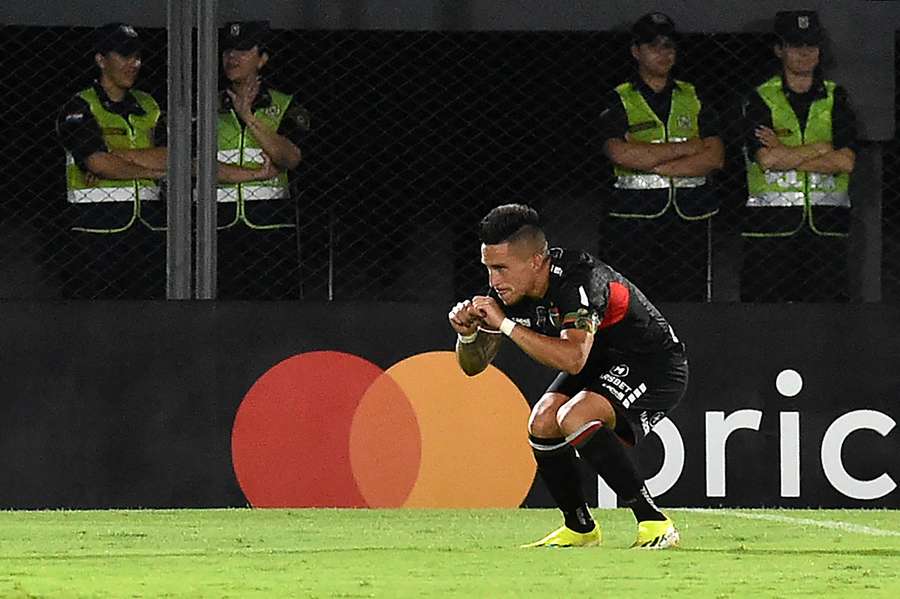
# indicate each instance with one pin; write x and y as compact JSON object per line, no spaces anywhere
{"x":330,"y":429}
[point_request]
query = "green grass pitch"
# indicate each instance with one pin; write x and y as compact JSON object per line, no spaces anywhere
{"x":442,"y":553}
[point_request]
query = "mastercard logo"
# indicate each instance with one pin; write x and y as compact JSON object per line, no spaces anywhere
{"x":331,"y":429}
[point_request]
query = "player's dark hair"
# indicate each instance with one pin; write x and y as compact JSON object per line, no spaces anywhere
{"x":510,"y":223}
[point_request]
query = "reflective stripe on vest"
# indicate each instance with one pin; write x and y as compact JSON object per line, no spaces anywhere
{"x":654,"y":181}
{"x":645,"y":126}
{"x":96,"y":195}
{"x":251,"y":155}
{"x":256,"y":193}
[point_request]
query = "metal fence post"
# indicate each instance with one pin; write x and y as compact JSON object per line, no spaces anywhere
{"x":207,"y":69}
{"x":178,"y":242}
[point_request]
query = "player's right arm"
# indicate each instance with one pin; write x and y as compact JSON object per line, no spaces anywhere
{"x":475,"y":347}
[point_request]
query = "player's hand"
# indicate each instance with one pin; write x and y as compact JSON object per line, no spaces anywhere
{"x":463,"y":318}
{"x":489,"y":311}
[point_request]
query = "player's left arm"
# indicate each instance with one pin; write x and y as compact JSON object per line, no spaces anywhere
{"x":568,"y":352}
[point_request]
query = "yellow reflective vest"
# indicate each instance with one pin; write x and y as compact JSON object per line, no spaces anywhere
{"x":645,"y":126}
{"x":779,"y":203}
{"x":113,"y":205}
{"x":256,"y":204}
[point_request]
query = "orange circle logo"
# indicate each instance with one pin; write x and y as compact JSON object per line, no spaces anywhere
{"x":330,"y":429}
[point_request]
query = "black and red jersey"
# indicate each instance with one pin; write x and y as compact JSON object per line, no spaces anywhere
{"x":586,"y":293}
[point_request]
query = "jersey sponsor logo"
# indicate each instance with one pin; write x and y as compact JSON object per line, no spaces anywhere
{"x":615,"y":392}
{"x":634,"y":395}
{"x":620,"y":370}
{"x":683,"y":121}
{"x":74,"y":117}
{"x":615,"y":383}
{"x":525,"y":322}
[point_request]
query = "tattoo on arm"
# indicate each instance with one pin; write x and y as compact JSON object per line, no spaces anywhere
{"x":474,"y":357}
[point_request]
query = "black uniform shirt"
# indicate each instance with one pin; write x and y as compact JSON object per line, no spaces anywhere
{"x":613,"y":122}
{"x":843,"y":119}
{"x":80,"y":132}
{"x":587,"y":294}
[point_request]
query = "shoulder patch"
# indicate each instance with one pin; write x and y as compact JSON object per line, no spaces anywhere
{"x":299,"y":115}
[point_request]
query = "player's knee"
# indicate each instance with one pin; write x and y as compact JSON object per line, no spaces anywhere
{"x":565,"y":417}
{"x":542,"y":423}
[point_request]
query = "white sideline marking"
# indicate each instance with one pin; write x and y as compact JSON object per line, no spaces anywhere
{"x":833,"y":524}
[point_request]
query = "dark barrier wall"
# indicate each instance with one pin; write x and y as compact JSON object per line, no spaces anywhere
{"x":132,"y":404}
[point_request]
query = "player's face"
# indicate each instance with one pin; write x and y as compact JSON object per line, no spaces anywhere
{"x":799,"y":60}
{"x":243,"y":65}
{"x":512,"y":270}
{"x":121,"y":71}
{"x":655,"y":58}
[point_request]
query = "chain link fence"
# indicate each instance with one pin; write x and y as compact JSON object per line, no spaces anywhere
{"x":412,"y":137}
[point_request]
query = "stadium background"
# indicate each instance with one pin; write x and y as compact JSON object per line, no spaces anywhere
{"x":425,"y":114}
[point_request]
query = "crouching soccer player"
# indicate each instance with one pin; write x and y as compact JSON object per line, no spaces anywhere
{"x":622,"y":367}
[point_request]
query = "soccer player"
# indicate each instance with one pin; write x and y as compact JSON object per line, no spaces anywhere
{"x":621,"y":366}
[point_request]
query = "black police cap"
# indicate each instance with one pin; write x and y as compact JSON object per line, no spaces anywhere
{"x":799,"y":27}
{"x":117,"y":37}
{"x":653,"y":25}
{"x":244,"y":35}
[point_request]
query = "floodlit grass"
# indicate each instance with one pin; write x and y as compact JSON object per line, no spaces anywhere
{"x":441,"y":553}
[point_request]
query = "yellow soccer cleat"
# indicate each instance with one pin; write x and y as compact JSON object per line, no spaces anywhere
{"x":656,"y":534}
{"x":566,"y":537}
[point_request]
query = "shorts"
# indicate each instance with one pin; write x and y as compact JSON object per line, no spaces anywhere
{"x":642,"y":389}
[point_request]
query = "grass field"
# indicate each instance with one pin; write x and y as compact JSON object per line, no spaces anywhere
{"x":449,"y":553}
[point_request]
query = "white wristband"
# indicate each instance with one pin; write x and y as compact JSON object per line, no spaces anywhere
{"x":507,"y":326}
{"x":466,"y":339}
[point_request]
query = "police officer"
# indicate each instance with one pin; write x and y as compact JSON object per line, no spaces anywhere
{"x":663,"y":142}
{"x":800,"y":140}
{"x":117,"y":244}
{"x":258,"y":247}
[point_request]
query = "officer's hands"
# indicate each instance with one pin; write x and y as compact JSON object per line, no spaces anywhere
{"x":268,"y":169}
{"x":489,"y":311}
{"x":767,"y":137}
{"x":463,"y":318}
{"x":243,"y":102}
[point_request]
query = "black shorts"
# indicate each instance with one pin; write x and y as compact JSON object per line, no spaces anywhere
{"x":641,"y":389}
